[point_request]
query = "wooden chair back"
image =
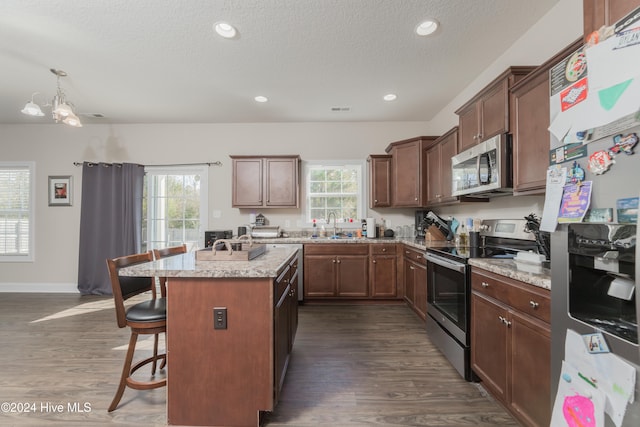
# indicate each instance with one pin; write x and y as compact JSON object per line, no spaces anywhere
{"x":165,"y":252}
{"x":123,"y":287}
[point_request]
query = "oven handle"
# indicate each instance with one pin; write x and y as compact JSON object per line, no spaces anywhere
{"x":443,"y":262}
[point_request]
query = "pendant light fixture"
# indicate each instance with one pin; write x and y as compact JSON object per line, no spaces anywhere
{"x":61,"y":109}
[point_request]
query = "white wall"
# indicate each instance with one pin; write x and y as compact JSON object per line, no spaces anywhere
{"x":54,"y":148}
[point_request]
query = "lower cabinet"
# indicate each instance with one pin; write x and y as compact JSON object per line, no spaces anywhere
{"x":415,"y":280}
{"x":336,"y":270}
{"x":285,"y":322}
{"x":511,"y":344}
{"x":383,"y":270}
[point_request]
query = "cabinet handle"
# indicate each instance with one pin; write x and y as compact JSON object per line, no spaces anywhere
{"x":333,"y":261}
{"x":533,"y":304}
{"x":338,"y":261}
{"x":418,"y":256}
{"x":485,"y":285}
{"x":407,"y":252}
{"x":384,"y":249}
{"x":375,"y":200}
{"x":411,"y":267}
{"x":374,"y":261}
{"x":502,"y":319}
{"x":475,"y":137}
{"x":416,"y":199}
{"x":479,"y":136}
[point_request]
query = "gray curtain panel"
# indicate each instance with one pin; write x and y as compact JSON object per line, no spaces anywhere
{"x":110,"y":221}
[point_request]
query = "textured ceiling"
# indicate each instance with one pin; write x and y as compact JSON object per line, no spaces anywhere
{"x":158,"y":61}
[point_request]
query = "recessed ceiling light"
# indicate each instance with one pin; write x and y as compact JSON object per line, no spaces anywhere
{"x":225,"y":29}
{"x":390,"y":97}
{"x":261,"y":98}
{"x":426,"y":27}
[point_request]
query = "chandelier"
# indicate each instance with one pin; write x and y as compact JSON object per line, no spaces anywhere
{"x":61,"y":110}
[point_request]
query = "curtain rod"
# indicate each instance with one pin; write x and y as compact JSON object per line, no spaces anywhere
{"x":217,"y":163}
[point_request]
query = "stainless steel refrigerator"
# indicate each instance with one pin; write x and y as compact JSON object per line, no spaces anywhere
{"x":593,"y":264}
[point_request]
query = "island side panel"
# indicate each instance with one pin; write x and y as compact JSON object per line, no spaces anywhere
{"x":219,"y":377}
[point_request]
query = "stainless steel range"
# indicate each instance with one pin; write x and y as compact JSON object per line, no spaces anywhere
{"x":449,"y":286}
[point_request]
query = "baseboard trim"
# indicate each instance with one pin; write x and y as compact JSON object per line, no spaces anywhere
{"x":44,"y":288}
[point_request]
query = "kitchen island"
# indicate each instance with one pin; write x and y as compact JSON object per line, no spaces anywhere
{"x":230,"y":328}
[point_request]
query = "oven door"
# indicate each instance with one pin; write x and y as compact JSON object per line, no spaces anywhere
{"x":448,"y":295}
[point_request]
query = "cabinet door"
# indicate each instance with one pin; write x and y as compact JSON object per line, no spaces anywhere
{"x":281,"y":336}
{"x":420,"y":286}
{"x":352,"y":276}
{"x":319,"y":276}
{"x":380,"y":181}
{"x":409,"y":283}
{"x":247,"y":182}
{"x":489,"y":340}
{"x":434,"y":181}
{"x":293,"y":313}
{"x":407,"y":169}
{"x":448,"y":149}
{"x":531,"y":135}
{"x":494,"y":116}
{"x":468,"y":127}
{"x":530,"y":370}
{"x":281,"y":182}
{"x":383,"y":276}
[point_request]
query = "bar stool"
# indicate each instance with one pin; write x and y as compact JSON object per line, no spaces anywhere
{"x":145,"y":318}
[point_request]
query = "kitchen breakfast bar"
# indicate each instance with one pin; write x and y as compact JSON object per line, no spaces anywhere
{"x":230,"y":329}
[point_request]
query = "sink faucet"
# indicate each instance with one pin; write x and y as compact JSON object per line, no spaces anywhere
{"x":335,"y":230}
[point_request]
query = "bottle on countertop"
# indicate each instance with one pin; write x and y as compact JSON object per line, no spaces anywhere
{"x":464,"y":237}
{"x":364,"y":228}
{"x":314,"y":233}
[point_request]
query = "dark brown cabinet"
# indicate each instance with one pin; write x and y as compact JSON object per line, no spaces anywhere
{"x":383,"y":270}
{"x":379,"y":180}
{"x":487,"y":113}
{"x":285,"y":321}
{"x":439,"y":186}
{"x":511,"y":344}
{"x":415,"y":280}
{"x":408,"y":171}
{"x":265,"y":182}
{"x":336,"y":270}
{"x":597,"y":13}
{"x":530,"y":123}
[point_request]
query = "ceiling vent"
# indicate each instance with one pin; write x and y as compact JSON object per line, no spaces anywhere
{"x":340,"y":109}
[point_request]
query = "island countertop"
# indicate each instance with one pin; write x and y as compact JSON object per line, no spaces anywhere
{"x":268,"y":264}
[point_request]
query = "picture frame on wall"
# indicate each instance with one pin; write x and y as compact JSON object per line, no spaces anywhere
{"x":60,"y":190}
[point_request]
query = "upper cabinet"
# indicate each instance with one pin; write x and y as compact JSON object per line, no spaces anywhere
{"x":487,"y":113}
{"x":439,"y":168}
{"x":266,"y":182}
{"x":408,"y":169}
{"x":597,"y":13}
{"x":529,"y":126}
{"x":379,"y":180}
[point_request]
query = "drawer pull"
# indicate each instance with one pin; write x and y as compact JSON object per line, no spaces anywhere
{"x":333,"y":261}
{"x":505,"y":321}
{"x":502,"y":319}
{"x":411,"y":267}
{"x":384,"y":249}
{"x":485,"y":285}
{"x":374,"y":261}
{"x":533,"y":304}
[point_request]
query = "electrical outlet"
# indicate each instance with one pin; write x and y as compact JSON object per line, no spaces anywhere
{"x":220,"y":318}
{"x":287,"y":223}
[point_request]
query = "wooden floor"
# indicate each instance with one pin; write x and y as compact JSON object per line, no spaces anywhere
{"x":62,"y":354}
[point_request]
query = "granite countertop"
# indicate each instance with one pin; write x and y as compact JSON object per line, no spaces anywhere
{"x":524,"y":272}
{"x":268,"y":264}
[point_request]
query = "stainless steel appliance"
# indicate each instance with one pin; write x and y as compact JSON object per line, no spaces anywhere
{"x":593,"y":290}
{"x":484,"y":170}
{"x":449,"y":286}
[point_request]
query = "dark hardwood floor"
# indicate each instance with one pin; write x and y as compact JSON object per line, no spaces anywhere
{"x":62,"y":355}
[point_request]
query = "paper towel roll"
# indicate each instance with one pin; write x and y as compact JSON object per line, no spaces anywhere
{"x":371,"y":228}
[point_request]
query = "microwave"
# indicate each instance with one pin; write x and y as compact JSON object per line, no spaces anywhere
{"x":484,"y":170}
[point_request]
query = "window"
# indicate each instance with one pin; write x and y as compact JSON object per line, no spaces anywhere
{"x":174,"y":207}
{"x":16,"y":211}
{"x":336,"y":187}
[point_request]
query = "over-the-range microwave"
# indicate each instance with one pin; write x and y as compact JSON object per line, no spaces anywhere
{"x":484,"y":170}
